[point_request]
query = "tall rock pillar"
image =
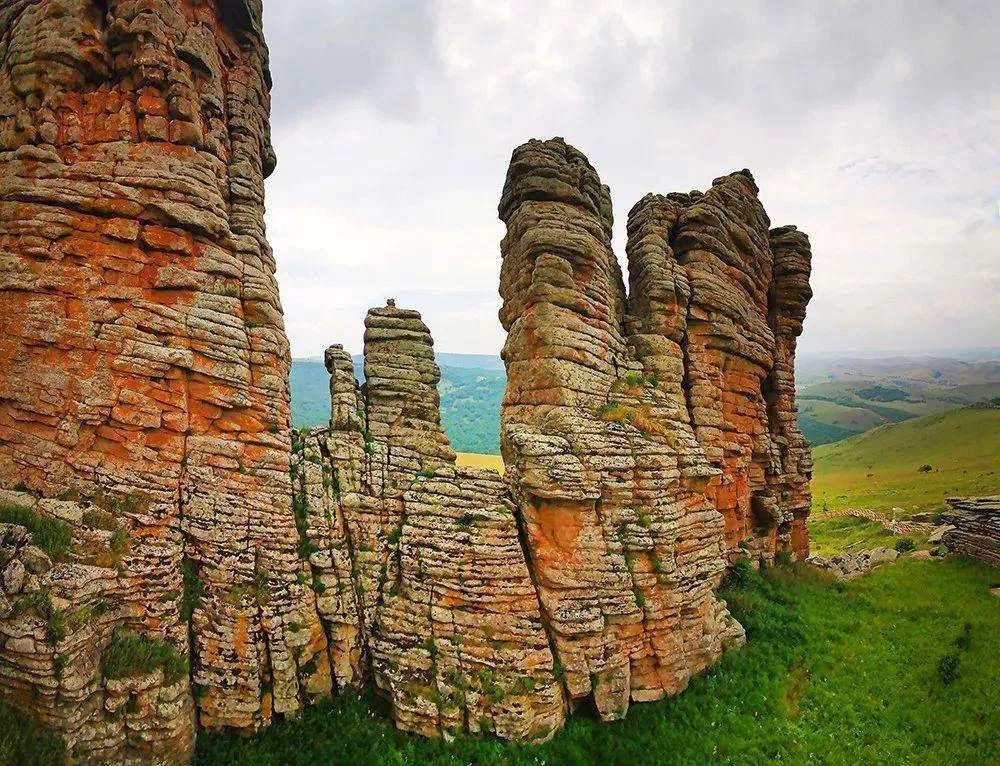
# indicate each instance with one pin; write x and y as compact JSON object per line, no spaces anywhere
{"x":142,"y":349}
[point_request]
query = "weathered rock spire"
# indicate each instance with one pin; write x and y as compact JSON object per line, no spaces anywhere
{"x":143,"y":354}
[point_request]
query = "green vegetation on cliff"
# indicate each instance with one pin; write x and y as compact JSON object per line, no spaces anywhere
{"x":896,"y":667}
{"x":53,"y":536}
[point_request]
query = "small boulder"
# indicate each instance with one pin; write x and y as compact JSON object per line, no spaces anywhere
{"x":938,"y":534}
{"x":13,"y":577}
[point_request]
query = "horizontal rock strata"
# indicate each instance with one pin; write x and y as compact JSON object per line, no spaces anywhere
{"x":421,"y":578}
{"x":60,"y":624}
{"x":647,"y":436}
{"x":975,"y":531}
{"x":142,"y":350}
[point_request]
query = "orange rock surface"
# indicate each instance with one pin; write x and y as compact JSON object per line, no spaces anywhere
{"x":142,"y":350}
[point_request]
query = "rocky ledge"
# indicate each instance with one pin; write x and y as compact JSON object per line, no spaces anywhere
{"x":973,"y":528}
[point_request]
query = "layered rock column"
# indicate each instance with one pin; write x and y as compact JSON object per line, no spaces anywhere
{"x":731,"y":294}
{"x":142,"y":350}
{"x":625,"y":548}
{"x":424,"y":588}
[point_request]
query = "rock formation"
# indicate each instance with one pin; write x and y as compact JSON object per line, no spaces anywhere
{"x":974,"y":528}
{"x":170,"y":557}
{"x":422,"y":579}
{"x":848,"y":565}
{"x":648,"y":439}
{"x":647,"y":435}
{"x":142,"y":351}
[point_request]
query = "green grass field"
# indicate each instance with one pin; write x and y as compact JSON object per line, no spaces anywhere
{"x":879,"y":469}
{"x":837,"y":534}
{"x":833,"y":674}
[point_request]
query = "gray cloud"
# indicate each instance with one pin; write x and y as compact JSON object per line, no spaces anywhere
{"x":327,"y":53}
{"x":870,"y":125}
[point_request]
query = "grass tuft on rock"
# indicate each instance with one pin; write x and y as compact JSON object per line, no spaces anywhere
{"x":129,"y":654}
{"x":53,"y":536}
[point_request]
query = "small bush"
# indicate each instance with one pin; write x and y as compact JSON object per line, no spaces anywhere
{"x":53,"y":536}
{"x":741,"y":574}
{"x":784,"y":559}
{"x":925,"y":468}
{"x":905,"y":545}
{"x":948,"y":668}
{"x":129,"y":654}
{"x":964,"y":641}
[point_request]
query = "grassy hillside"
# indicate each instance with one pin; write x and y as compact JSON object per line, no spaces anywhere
{"x":841,"y":397}
{"x":880,"y":469}
{"x":832,"y":673}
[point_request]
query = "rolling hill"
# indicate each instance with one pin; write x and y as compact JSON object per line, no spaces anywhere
{"x":881,"y":468}
{"x":838,"y":397}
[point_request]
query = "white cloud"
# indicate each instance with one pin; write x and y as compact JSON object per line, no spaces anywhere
{"x":871,"y":127}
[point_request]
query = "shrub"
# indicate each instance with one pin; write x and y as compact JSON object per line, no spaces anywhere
{"x":964,"y":641}
{"x":129,"y":654}
{"x":925,"y":468}
{"x":741,"y":574}
{"x":948,"y":668}
{"x":53,"y":536}
{"x":905,"y":545}
{"x":784,"y":559}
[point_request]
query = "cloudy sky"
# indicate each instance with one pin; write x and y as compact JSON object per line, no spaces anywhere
{"x":875,"y":127}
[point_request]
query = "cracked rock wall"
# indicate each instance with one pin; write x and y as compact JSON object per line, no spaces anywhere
{"x":422,"y":579}
{"x":142,"y":349}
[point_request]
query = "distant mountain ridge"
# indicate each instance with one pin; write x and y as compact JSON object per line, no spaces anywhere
{"x":837,"y":396}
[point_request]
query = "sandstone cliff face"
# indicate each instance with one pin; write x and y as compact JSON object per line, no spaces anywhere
{"x":649,"y":436}
{"x":142,"y":350}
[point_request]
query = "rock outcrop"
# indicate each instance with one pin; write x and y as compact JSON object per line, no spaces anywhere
{"x":208,"y":568}
{"x":142,"y":350}
{"x":848,"y":565}
{"x":422,"y":581}
{"x":975,"y":528}
{"x":647,"y":436}
{"x":66,"y":654}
